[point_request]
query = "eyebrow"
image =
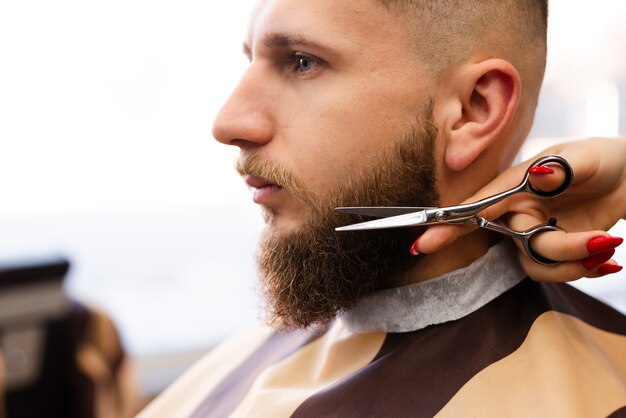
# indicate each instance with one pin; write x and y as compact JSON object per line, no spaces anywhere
{"x":281,"y":40}
{"x":273,"y":40}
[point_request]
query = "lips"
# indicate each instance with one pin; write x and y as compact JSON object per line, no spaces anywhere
{"x":263,"y":190}
{"x":257,"y":182}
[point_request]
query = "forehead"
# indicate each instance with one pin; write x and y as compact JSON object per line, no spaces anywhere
{"x":345,"y":24}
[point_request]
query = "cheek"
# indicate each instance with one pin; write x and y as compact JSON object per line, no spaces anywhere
{"x":336,"y":135}
{"x":337,"y":125}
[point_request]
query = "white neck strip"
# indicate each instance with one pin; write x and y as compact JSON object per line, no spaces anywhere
{"x":446,"y":298}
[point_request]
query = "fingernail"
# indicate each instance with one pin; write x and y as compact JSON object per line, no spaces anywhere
{"x":599,"y":244}
{"x":609,"y":269}
{"x":541,"y":169}
{"x":597,"y":259}
{"x":414,"y":251}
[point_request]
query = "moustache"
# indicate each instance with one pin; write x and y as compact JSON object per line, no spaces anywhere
{"x":253,"y":165}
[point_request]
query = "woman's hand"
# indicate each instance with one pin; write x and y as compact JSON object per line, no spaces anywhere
{"x":595,"y":201}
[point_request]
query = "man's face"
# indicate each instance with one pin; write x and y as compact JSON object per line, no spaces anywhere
{"x":332,"y":105}
{"x":328,"y":82}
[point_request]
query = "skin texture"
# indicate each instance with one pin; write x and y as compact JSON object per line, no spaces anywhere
{"x":319,"y":103}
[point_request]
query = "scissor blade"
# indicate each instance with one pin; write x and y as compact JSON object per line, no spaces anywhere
{"x":380,"y":211}
{"x":408,"y":219}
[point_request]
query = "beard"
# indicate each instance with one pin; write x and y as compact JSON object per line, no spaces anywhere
{"x":311,"y":274}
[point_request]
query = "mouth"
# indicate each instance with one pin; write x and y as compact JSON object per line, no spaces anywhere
{"x":263,"y":190}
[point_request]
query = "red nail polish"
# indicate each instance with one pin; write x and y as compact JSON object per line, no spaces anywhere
{"x":609,"y":269}
{"x":414,"y":251}
{"x":599,"y":244}
{"x":541,"y":169}
{"x":595,"y":260}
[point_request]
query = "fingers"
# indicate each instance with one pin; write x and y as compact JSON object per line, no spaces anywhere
{"x":437,"y":237}
{"x":564,"y":246}
{"x":568,"y":246}
{"x":545,"y":178}
{"x":553,"y":245}
{"x":566,"y":271}
{"x":440,"y":236}
{"x":582,"y":254}
{"x":548,"y":177}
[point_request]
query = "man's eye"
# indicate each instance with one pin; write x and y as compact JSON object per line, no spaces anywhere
{"x":304,"y":63}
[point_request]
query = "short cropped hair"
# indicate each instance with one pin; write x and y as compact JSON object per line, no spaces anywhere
{"x":449,"y":32}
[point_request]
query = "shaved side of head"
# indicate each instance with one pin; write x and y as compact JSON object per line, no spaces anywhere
{"x":449,"y":32}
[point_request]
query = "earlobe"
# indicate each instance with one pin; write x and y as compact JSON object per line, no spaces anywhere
{"x":486,"y":95}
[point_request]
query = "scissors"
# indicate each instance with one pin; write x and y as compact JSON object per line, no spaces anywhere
{"x":395,"y":217}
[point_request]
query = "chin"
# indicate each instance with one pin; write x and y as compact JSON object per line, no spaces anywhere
{"x":281,"y":224}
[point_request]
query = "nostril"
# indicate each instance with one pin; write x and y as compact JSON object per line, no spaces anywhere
{"x":243,"y":144}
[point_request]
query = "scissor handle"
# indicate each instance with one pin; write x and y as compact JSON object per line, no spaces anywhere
{"x":569,"y":176}
{"x":524,"y":237}
{"x":461,"y":213}
{"x":528,"y":236}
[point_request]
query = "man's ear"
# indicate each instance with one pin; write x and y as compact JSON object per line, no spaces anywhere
{"x":479,"y":102}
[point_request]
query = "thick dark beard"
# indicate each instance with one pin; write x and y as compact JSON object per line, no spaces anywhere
{"x":311,"y":274}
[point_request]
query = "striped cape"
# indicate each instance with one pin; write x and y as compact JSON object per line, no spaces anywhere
{"x":534,"y":350}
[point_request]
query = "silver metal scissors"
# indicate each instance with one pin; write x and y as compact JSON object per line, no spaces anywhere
{"x":395,"y":217}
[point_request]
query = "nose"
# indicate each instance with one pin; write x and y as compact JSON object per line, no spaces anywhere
{"x":245,"y":119}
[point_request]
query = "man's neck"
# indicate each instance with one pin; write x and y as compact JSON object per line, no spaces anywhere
{"x":463,"y":252}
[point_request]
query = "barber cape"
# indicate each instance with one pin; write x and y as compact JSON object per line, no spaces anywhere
{"x":482,"y":341}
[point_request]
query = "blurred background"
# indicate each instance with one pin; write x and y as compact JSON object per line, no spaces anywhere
{"x":106,"y":156}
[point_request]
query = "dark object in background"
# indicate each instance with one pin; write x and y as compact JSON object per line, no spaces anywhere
{"x":51,"y":346}
{"x":36,"y":339}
